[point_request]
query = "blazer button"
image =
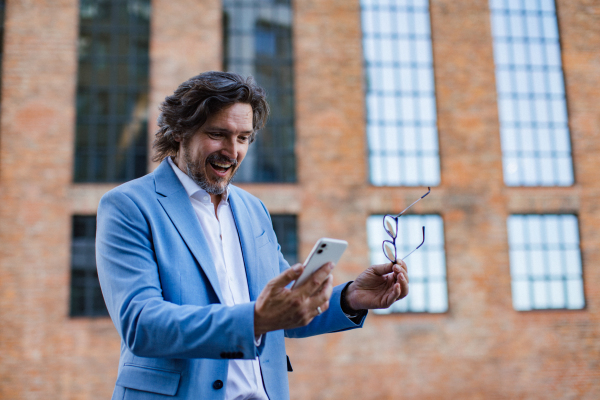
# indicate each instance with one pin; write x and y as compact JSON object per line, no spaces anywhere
{"x":218,"y":384}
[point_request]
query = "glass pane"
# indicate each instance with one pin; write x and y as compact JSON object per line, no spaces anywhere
{"x":417,"y":300}
{"x":575,"y":298}
{"x":521,"y":295}
{"x":518,"y":263}
{"x":540,"y":295}
{"x":555,"y":264}
{"x":570,"y":229}
{"x":557,"y":294}
{"x":438,"y":297}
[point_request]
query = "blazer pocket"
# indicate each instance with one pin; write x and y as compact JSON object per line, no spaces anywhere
{"x":152,"y":380}
{"x":262,"y":240}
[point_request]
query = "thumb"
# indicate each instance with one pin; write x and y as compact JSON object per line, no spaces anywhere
{"x":288,"y":276}
{"x":382,"y":269}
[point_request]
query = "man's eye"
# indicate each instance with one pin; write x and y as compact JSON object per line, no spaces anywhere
{"x":244,"y":139}
{"x":215,"y":135}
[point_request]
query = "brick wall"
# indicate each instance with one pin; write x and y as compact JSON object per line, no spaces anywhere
{"x":480,"y":349}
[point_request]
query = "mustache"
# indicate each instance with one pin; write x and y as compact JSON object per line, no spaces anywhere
{"x":215,"y":157}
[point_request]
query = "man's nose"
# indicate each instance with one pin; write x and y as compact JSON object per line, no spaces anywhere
{"x":230,"y":148}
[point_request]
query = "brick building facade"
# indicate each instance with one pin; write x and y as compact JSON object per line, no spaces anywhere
{"x":480,"y":348}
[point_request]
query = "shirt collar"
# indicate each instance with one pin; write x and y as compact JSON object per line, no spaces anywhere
{"x":192,"y":188}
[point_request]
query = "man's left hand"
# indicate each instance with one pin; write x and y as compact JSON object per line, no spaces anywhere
{"x":378,"y":287}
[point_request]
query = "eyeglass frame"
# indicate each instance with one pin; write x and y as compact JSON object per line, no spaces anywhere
{"x":395,"y":217}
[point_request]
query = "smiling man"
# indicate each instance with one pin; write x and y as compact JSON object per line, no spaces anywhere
{"x":191,"y":270}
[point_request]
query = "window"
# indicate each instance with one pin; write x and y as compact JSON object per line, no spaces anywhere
{"x":545,"y":262}
{"x":285,"y":227}
{"x":112,"y":90}
{"x":534,"y":128}
{"x":86,"y":296}
{"x":258,"y":42}
{"x":401,"y":111}
{"x":427,"y":266}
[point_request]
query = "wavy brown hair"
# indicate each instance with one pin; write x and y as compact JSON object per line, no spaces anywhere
{"x":186,"y":110}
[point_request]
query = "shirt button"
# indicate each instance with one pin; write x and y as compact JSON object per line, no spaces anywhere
{"x":218,"y":384}
{"x":231,"y":278}
{"x":206,"y":198}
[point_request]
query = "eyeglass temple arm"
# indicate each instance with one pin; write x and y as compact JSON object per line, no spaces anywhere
{"x":415,"y":202}
{"x":417,"y":248}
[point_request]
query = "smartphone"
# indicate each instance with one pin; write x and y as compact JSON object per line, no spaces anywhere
{"x":324,"y":251}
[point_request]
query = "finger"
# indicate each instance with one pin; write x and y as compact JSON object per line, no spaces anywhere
{"x":399,"y":290}
{"x":405,"y":276}
{"x":391,"y":295}
{"x":401,"y":264}
{"x":396,"y":293}
{"x":322,"y":297}
{"x":403,"y":286}
{"x":382,"y":269}
{"x":311,"y":285}
{"x":286,"y":277}
{"x":324,"y":293}
{"x":399,"y":268}
{"x":397,"y":271}
{"x":324,"y":307}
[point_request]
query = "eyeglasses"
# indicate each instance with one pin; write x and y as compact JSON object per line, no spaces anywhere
{"x":390,"y":224}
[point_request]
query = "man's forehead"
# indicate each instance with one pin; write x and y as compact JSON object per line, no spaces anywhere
{"x":237,"y":115}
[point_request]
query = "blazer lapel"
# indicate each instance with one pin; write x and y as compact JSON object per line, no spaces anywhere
{"x":176,"y":203}
{"x":256,"y":278}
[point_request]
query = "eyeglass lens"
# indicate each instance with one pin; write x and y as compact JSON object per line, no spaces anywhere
{"x":391,"y":224}
{"x":389,"y":250}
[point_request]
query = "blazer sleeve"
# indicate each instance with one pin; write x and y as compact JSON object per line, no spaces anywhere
{"x":148,"y":325}
{"x":332,"y":320}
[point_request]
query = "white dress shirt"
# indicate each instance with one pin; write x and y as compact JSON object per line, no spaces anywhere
{"x":244,"y":380}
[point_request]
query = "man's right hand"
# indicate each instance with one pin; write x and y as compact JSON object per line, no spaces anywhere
{"x":278,"y":307}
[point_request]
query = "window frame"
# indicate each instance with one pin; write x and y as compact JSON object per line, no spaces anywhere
{"x":523,"y":255}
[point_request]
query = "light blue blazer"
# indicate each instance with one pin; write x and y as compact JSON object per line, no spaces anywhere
{"x":161,"y":289}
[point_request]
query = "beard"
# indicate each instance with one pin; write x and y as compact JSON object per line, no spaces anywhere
{"x":197,"y":171}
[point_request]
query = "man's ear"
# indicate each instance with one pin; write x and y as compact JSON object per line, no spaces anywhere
{"x":177,"y":137}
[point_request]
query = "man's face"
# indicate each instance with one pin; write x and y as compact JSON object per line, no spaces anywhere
{"x":212,"y":156}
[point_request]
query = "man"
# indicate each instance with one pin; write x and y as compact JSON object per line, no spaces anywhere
{"x":190,"y":268}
